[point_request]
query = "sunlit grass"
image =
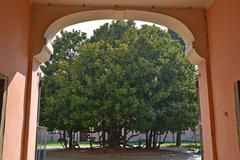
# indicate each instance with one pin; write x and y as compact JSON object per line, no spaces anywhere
{"x":86,"y":144}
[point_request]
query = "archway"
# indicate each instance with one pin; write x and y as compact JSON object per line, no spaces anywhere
{"x":173,"y":23}
{"x":156,"y":18}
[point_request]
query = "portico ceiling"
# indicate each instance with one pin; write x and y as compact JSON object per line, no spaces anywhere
{"x":132,"y":3}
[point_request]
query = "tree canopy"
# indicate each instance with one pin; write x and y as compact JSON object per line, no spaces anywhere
{"x":121,"y":79}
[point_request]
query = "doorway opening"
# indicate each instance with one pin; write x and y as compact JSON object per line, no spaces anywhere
{"x":74,"y":136}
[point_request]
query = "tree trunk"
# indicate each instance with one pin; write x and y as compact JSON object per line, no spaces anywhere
{"x":70,"y":139}
{"x":60,"y":134}
{"x":173,"y":134}
{"x":119,"y":136}
{"x":178,"y":139}
{"x":124,"y":138}
{"x":113,"y":137}
{"x":159,"y":140}
{"x":64,"y":135}
{"x":146,"y":139}
{"x":90,"y":141}
{"x":79,"y":136}
{"x":150,"y":139}
{"x":154,"y":139}
{"x":65,"y":139}
{"x":103,"y":138}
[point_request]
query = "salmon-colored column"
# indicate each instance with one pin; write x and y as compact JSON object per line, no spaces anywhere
{"x":31,"y":112}
{"x":224,"y":47}
{"x":207,"y":113}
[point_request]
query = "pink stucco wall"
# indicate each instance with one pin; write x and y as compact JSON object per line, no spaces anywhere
{"x":224,"y":46}
{"x":15,"y":16}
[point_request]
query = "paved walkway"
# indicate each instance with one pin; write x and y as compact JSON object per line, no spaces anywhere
{"x":56,"y":155}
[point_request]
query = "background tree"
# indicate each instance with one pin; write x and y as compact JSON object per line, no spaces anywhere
{"x":59,"y":103}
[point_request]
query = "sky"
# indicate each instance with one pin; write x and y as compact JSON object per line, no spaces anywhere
{"x":90,"y":26}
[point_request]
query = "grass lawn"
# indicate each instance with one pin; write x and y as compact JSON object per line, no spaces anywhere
{"x":58,"y":145}
{"x":184,"y":144}
{"x":86,"y":144}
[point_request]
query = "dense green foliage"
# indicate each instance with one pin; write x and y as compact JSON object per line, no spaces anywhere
{"x":120,"y":80}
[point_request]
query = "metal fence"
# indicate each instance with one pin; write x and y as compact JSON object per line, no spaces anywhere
{"x":41,"y":144}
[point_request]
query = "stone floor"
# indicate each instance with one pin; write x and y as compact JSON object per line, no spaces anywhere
{"x":163,"y":155}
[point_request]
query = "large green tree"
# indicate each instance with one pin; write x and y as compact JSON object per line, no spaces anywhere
{"x":60,"y":109}
{"x":122,"y":79}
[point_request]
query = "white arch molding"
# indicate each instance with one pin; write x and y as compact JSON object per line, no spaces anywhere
{"x":157,"y":18}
